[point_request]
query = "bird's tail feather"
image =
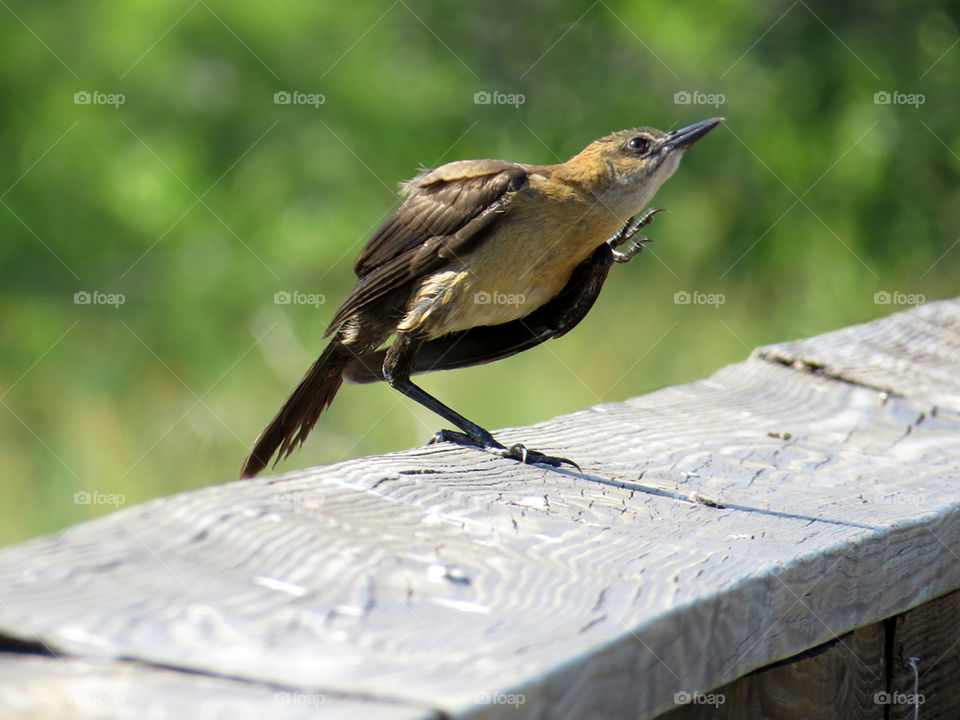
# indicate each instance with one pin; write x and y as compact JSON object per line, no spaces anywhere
{"x":301,"y":410}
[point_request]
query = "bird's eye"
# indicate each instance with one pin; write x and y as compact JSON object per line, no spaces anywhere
{"x":639,"y":144}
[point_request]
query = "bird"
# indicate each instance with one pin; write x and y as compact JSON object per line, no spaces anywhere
{"x":483,"y":259}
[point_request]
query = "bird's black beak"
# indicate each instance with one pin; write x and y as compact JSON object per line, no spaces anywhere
{"x":687,"y":136}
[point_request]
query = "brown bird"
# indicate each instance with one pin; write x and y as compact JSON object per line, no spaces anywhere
{"x":484,"y":259}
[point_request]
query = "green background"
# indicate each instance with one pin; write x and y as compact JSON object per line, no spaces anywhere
{"x":199,"y":198}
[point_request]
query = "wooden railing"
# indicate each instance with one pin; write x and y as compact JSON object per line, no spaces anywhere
{"x":779,"y":540}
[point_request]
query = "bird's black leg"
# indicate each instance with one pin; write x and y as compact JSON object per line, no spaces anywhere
{"x":397,"y":365}
{"x":626,"y":233}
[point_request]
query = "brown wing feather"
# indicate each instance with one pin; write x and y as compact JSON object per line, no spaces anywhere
{"x":444,"y":215}
{"x":438,"y":202}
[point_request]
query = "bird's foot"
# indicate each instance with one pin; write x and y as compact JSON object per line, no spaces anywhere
{"x":532,"y":457}
{"x":625,"y":235}
{"x":514,"y":452}
{"x":453,"y":436}
{"x":635,"y":246}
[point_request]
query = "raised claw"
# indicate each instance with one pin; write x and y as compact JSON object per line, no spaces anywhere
{"x":635,"y":246}
{"x":632,"y":226}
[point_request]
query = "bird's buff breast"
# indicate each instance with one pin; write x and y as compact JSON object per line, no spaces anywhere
{"x":515,"y":270}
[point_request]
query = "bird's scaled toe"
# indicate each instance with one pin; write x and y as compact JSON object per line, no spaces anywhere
{"x":534,"y":457}
{"x":635,"y":246}
{"x":632,"y":226}
{"x":452,"y":436}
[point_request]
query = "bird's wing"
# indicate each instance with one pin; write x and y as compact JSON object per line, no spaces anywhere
{"x":445,"y":214}
{"x":484,"y":344}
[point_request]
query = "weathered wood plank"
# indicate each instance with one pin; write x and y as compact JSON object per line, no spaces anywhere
{"x":33,"y":686}
{"x":450,"y":579}
{"x":915,"y":353}
{"x":839,"y":679}
{"x":928,"y":638}
{"x":887,"y":671}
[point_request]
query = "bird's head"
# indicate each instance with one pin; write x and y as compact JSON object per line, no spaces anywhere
{"x":631,"y":165}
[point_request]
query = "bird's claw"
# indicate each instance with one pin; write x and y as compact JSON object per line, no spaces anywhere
{"x":627,"y":254}
{"x":630,"y":228}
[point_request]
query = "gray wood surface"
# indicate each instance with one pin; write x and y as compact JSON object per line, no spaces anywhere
{"x":837,"y":680}
{"x":896,"y":354}
{"x":65,"y":688}
{"x":900,"y":668}
{"x":925,"y":661}
{"x":718,"y":527}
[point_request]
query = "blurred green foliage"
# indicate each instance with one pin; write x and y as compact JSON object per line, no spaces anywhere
{"x":198,"y":198}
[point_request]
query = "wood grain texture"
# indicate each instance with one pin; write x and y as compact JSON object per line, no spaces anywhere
{"x":915,"y":353}
{"x":930,"y":635}
{"x":840,"y":679}
{"x":64,"y":688}
{"x":718,"y":527}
